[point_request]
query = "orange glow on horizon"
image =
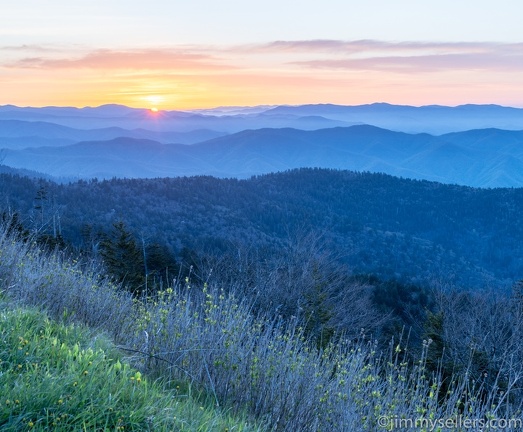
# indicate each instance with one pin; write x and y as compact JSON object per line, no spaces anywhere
{"x":275,"y":74}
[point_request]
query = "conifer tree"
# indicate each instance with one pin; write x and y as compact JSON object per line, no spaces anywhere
{"x":123,"y":258}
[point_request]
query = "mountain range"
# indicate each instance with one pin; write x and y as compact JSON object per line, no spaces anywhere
{"x":481,"y":158}
{"x":117,"y":141}
{"x":433,"y":119}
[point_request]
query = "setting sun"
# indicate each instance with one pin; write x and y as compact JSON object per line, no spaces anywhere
{"x":154,"y":101}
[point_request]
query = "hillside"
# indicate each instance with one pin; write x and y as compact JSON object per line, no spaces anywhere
{"x":68,"y":377}
{"x":417,"y":231}
{"x":201,"y":331}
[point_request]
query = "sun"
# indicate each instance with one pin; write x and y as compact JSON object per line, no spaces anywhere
{"x":154,"y":101}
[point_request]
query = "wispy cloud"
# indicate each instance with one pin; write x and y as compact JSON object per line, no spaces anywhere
{"x":401,"y":57}
{"x":27,"y":48}
{"x":365,"y":55}
{"x":144,"y":59}
{"x":424,"y":63}
{"x":369,"y":45}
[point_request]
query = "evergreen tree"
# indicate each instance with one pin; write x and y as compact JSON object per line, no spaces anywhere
{"x":162,"y":268}
{"x":13,"y":225}
{"x":123,"y":258}
{"x":40,"y":204}
{"x":318,"y":311}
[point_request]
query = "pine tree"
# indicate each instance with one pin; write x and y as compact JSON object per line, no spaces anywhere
{"x":318,"y":312}
{"x":123,"y":258}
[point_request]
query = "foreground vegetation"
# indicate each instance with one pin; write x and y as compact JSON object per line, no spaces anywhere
{"x":271,"y":367}
{"x":64,"y":378}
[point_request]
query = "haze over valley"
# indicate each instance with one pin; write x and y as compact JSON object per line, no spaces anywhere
{"x":478,"y":146}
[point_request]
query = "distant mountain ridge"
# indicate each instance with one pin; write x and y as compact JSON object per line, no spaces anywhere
{"x":19,"y":134}
{"x":475,"y":145}
{"x":481,"y":158}
{"x":434,"y":119}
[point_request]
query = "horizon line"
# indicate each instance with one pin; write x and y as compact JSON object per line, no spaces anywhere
{"x":158,"y":109}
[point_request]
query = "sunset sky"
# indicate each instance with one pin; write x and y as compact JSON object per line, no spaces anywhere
{"x":175,"y":54}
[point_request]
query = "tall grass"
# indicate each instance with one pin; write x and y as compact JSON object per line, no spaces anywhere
{"x":207,"y":335}
{"x":65,"y":378}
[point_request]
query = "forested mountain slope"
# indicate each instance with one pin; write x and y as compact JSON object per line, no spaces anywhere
{"x":413,"y":230}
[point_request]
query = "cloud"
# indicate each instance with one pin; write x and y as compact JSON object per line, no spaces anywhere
{"x":369,"y":45}
{"x":30,"y":48}
{"x":403,"y":57}
{"x":144,"y":59}
{"x":422,"y":63}
{"x":360,"y":55}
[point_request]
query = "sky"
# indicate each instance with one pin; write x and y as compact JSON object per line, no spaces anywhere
{"x":173,"y":54}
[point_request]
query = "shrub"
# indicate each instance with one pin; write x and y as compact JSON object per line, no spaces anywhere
{"x":264,"y":365}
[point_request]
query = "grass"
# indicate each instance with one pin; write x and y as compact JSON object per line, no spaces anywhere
{"x":64,"y":378}
{"x":204,"y":337}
